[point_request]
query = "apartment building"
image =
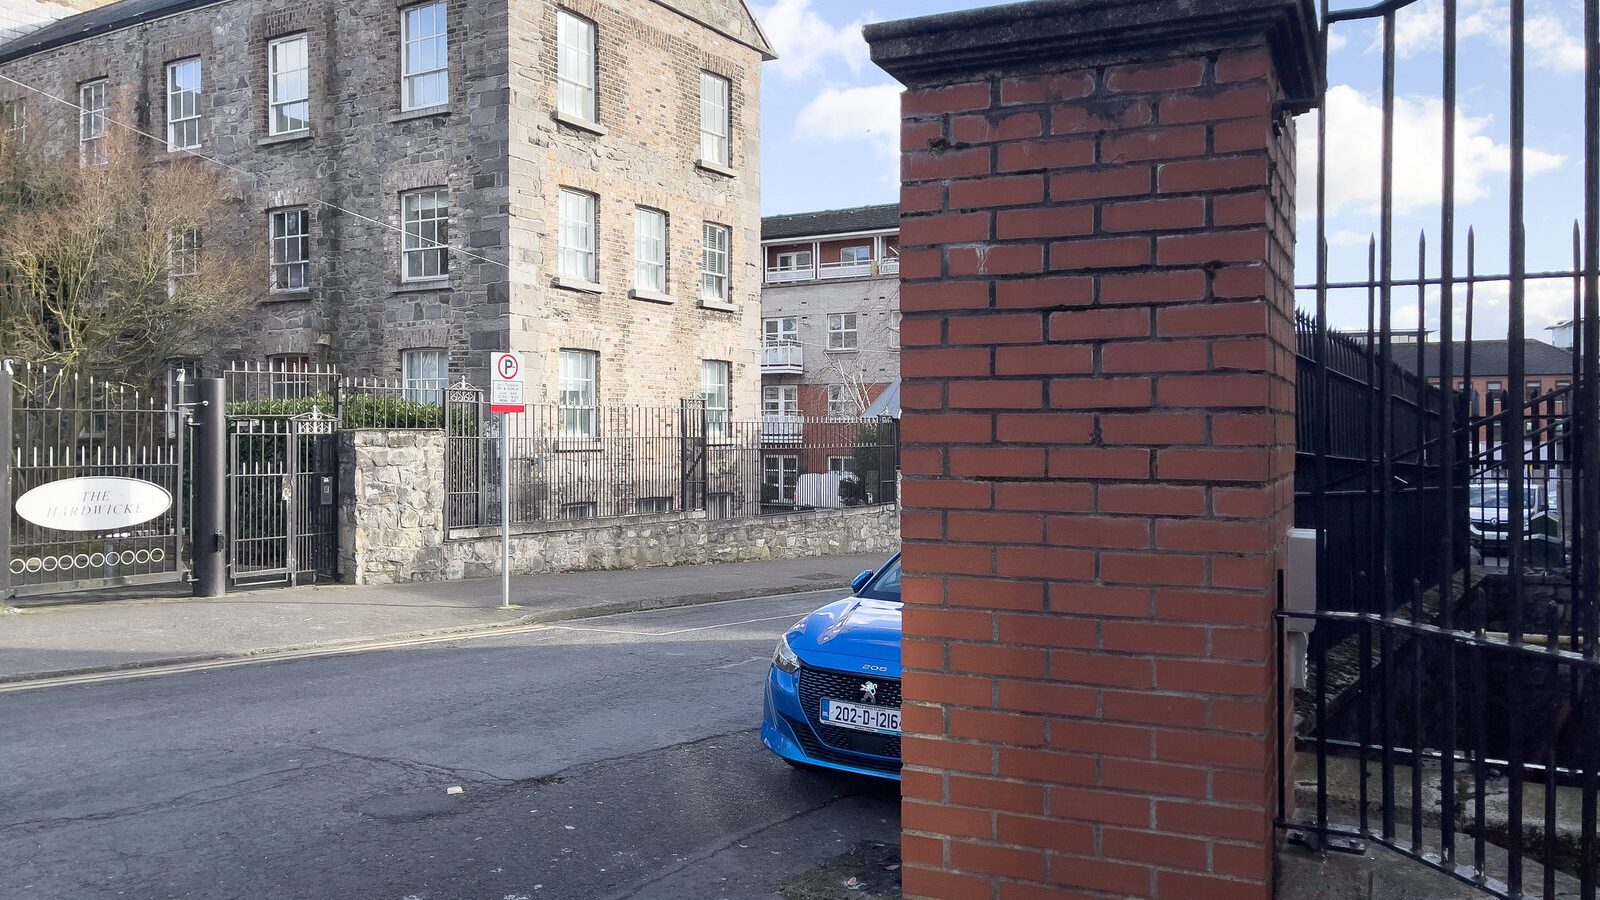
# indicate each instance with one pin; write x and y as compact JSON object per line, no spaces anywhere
{"x":430,"y":181}
{"x":830,"y":314}
{"x":830,"y":319}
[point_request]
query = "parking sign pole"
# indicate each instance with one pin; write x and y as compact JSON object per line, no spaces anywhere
{"x":505,"y":511}
{"x":505,"y":396}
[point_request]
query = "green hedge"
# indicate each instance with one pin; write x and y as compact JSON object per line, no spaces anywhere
{"x":361,"y":411}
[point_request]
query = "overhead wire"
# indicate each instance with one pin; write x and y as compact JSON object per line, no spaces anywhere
{"x":430,"y":245}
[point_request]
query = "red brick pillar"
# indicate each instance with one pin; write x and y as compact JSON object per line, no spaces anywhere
{"x":1097,"y":231}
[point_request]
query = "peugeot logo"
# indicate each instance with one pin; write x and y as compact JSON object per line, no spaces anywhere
{"x":869,"y":691}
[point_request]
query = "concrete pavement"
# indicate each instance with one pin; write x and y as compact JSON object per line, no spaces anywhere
{"x":38,"y":642}
{"x":611,"y":758}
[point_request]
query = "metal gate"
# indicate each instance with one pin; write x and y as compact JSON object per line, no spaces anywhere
{"x":93,"y":483}
{"x":1451,"y":707}
{"x":282,"y":499}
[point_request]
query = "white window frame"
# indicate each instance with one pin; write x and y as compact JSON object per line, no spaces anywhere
{"x":843,"y":335}
{"x":94,"y":101}
{"x":895,"y":317}
{"x":583,"y":509}
{"x":653,"y":506}
{"x":789,"y":260}
{"x":841,"y":465}
{"x":183,"y":105}
{"x":716,"y":119}
{"x":438,"y":38}
{"x":840,"y":404}
{"x":577,"y":216}
{"x":290,"y":376}
{"x":716,"y":389}
{"x":425,"y":239}
{"x":715,"y":281}
{"x":15,"y":115}
{"x":780,"y":400}
{"x":578,"y":395}
{"x":650,"y":249}
{"x":183,"y":256}
{"x":788,"y":464}
{"x":577,"y":67}
{"x":281,"y":241}
{"x":279,"y":101}
{"x":780,"y":335}
{"x":855,"y":255}
{"x":425,"y":373}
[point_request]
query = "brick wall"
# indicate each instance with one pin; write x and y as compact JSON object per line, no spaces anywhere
{"x":1098,"y":444}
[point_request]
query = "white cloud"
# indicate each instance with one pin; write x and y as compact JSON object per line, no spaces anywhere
{"x":1354,"y":127}
{"x":1337,"y":42}
{"x":1550,"y":41}
{"x":869,"y":115}
{"x":806,"y":44}
{"x":1551,"y":45}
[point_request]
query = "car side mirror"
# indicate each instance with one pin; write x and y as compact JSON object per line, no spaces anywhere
{"x":860,"y":581}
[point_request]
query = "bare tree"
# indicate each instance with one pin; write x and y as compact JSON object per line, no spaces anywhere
{"x":116,"y":268}
{"x":877,"y":337}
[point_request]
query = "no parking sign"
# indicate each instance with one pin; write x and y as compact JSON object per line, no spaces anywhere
{"x":506,"y":383}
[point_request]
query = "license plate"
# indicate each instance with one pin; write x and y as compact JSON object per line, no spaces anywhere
{"x":878,"y":719}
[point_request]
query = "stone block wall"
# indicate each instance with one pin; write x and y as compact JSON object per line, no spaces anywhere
{"x":391,"y":526}
{"x":1098,"y":208}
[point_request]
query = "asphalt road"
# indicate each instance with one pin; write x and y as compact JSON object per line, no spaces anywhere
{"x":604,"y":758}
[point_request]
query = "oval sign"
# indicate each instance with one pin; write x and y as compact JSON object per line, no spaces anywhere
{"x":100,"y":503}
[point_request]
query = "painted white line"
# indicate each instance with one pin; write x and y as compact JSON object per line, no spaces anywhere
{"x":671,"y":633}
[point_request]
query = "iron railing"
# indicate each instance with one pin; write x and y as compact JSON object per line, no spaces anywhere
{"x":56,"y":426}
{"x":571,"y":464}
{"x":1455,"y":677}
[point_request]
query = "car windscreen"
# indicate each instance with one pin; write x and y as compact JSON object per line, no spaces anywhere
{"x":885,"y":585}
{"x":1500,"y":497}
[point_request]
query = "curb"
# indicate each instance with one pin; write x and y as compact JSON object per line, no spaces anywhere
{"x":541,"y":617}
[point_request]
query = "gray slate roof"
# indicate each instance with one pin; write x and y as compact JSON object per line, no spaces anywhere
{"x":94,"y":22}
{"x":831,"y":221}
{"x":1489,"y":358}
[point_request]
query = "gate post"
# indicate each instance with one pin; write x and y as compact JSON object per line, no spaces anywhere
{"x":1097,"y":218}
{"x":210,"y":489}
{"x":7,"y":454}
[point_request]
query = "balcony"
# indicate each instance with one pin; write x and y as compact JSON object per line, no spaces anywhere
{"x":781,"y":429}
{"x":889,"y":265}
{"x":783,"y":359}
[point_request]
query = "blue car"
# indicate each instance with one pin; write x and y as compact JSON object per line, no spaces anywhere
{"x":833,"y":692}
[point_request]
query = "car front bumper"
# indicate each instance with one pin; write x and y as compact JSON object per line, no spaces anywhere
{"x":786,"y":731}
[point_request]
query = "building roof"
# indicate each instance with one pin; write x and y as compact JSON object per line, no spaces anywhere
{"x":831,"y":221}
{"x":108,"y":18}
{"x":887,"y":404}
{"x":127,"y":13}
{"x":1489,"y":358}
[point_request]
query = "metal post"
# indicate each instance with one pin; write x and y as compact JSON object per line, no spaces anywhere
{"x":210,"y":490}
{"x":6,"y":452}
{"x":505,"y":512}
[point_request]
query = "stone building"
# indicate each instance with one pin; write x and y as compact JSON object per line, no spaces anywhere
{"x":431,"y":181}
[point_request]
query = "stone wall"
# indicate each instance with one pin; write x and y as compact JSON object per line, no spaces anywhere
{"x":391,"y":526}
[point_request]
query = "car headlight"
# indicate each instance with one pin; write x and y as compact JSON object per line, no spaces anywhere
{"x":783,"y":655}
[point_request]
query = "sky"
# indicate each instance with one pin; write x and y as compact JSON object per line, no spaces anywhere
{"x":830,"y":140}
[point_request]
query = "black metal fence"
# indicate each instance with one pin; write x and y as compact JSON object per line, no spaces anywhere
{"x":1451,"y":710}
{"x":568,"y":464}
{"x":93,"y":484}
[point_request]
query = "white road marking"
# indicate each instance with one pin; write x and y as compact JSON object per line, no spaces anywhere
{"x":674,"y":632}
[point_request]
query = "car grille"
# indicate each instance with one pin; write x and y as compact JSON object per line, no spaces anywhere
{"x":816,"y":684}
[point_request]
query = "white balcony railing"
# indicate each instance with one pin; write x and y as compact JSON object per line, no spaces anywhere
{"x":889,"y":265}
{"x":780,"y":429}
{"x":787,"y":274}
{"x":845,"y":269}
{"x":782,"y":359}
